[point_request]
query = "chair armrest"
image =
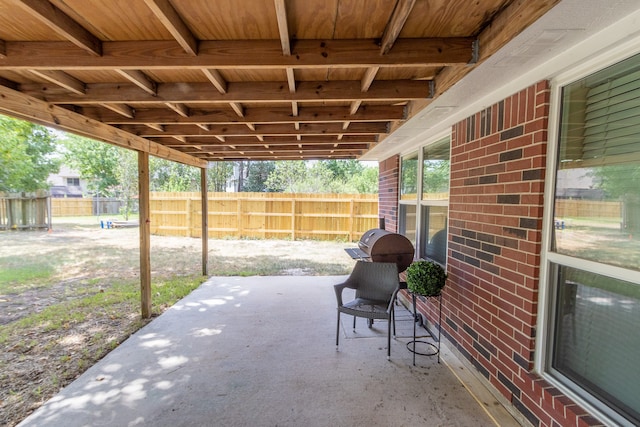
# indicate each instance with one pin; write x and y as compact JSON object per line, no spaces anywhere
{"x":338,"y":289}
{"x":393,"y":299}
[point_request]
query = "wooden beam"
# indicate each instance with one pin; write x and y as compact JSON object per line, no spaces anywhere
{"x":156,"y":126}
{"x":165,"y":12}
{"x":368,"y":77}
{"x":3,"y":49}
{"x":145,"y":234}
{"x":181,"y":109}
{"x":237,"y":107}
{"x":204,"y":126}
{"x":240,"y":54}
{"x":122,"y":109}
{"x":329,"y":140}
{"x":63,"y":24}
{"x":394,"y":26}
{"x":283,"y":27}
{"x":237,"y":93}
{"x":355,"y":105}
{"x":291,"y":79}
{"x":281,"y":148}
{"x":216,"y":79}
{"x":294,"y":109}
{"x":258,"y":115}
{"x":63,"y":80}
{"x":205,"y":221}
{"x":140,"y":79}
{"x":19,"y":105}
{"x":511,"y":21}
{"x":301,"y":155}
{"x":264,"y":129}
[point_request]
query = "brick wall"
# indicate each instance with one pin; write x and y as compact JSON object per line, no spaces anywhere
{"x":388,"y":184}
{"x":498,"y":159}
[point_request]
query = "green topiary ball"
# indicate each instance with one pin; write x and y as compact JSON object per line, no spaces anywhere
{"x":426,"y":278}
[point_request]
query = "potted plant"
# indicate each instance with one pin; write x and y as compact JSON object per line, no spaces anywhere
{"x":426,"y":278}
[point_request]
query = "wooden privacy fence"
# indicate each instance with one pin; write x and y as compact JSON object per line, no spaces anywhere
{"x":25,"y":210}
{"x":73,"y":206}
{"x":588,"y":209}
{"x":266,"y":215}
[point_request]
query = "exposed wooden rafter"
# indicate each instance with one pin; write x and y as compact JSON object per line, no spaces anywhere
{"x":165,"y":12}
{"x":249,"y":74}
{"x":62,"y":24}
{"x":140,"y":79}
{"x":63,"y":80}
{"x":394,"y":26}
{"x":122,"y":109}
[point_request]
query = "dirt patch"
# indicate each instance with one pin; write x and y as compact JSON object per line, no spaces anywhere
{"x":79,"y":259}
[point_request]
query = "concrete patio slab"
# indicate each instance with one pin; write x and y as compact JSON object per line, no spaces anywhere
{"x":260,"y":351}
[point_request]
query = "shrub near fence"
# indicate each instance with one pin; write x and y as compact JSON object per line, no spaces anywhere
{"x":266,"y":215}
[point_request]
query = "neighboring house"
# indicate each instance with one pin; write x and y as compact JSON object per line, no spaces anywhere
{"x":549,"y":317}
{"x":67,"y":183}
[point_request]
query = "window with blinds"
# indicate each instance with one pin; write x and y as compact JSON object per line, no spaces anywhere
{"x":597,"y":218}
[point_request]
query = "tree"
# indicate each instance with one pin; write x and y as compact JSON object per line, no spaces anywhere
{"x":323,"y":177}
{"x":621,"y":182}
{"x":95,"y":161}
{"x":286,"y":175}
{"x":257,"y":175}
{"x":173,"y":177}
{"x":218,"y":175}
{"x":111,"y":171}
{"x":26,"y":155}
{"x":127,"y":175}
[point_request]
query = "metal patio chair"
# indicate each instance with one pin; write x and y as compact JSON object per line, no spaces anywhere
{"x":376,"y":285}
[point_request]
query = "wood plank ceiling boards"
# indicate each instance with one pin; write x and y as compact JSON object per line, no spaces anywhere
{"x":197,"y":81}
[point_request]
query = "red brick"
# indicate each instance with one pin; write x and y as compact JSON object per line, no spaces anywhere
{"x":521,"y":141}
{"x":522,"y":164}
{"x":496,"y":149}
{"x":518,"y":187}
{"x":510,"y":176}
{"x":535,"y":150}
{"x":532,"y":199}
{"x":516,"y":210}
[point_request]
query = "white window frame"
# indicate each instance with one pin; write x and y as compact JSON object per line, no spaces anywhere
{"x":418,"y":203}
{"x":546,"y":299}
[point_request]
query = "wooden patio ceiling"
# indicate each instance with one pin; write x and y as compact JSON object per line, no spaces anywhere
{"x":199,"y":80}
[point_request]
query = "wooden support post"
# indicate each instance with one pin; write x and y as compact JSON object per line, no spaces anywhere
{"x":205,"y":222}
{"x":145,"y":234}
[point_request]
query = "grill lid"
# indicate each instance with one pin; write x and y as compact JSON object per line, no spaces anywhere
{"x":384,"y":246}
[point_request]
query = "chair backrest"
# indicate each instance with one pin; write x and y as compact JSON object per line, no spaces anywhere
{"x":375,"y":280}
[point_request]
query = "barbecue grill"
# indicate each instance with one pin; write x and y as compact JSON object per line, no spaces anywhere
{"x":380,"y":245}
